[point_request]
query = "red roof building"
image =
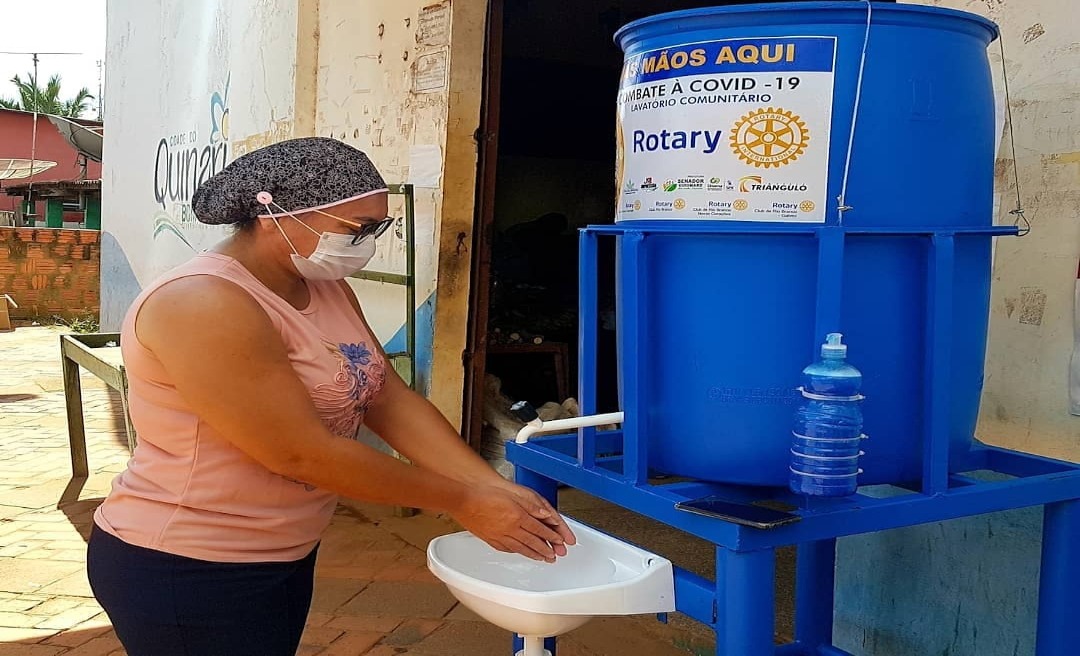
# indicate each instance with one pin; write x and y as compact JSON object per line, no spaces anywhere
{"x":16,"y":142}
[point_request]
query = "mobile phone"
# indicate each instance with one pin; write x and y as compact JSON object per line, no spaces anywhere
{"x":738,"y":513}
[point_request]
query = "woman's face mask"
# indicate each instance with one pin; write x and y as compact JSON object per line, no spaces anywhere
{"x":336,"y":256}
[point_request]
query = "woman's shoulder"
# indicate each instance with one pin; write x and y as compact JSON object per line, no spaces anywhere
{"x":200,"y":302}
{"x":201,"y":294}
{"x":206,"y":278}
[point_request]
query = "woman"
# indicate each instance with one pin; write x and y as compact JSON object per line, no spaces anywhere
{"x":248,"y":365}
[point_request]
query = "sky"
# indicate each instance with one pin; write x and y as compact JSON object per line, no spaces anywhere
{"x":53,"y":26}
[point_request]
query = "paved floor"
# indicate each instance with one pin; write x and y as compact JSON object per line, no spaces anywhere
{"x":374,"y":595}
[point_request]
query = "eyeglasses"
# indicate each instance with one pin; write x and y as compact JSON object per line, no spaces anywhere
{"x":373,"y":230}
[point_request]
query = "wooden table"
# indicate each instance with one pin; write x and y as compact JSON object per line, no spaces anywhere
{"x":5,"y":318}
{"x":99,"y":354}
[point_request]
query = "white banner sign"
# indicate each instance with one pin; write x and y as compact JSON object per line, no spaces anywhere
{"x":727,"y":130}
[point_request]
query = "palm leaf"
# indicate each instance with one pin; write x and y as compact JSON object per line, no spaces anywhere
{"x":46,"y":100}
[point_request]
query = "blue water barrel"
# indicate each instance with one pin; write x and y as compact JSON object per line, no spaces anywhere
{"x":734,"y":132}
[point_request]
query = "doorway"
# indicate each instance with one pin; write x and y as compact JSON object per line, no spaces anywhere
{"x":547,"y":168}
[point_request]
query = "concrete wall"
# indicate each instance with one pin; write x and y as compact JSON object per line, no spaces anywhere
{"x":381,"y":75}
{"x":1026,"y":401}
{"x":970,"y":587}
{"x":50,"y":273}
{"x":367,"y":96}
{"x":392,"y":82}
{"x":230,"y":87}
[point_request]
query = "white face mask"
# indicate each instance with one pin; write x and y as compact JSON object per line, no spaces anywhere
{"x":335,"y":256}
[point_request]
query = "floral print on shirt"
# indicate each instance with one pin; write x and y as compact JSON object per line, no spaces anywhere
{"x":344,"y":402}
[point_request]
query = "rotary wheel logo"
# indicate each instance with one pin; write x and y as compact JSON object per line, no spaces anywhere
{"x":807,"y":206}
{"x":680,"y":204}
{"x":740,"y":205}
{"x":769,"y":137}
{"x":637,"y":205}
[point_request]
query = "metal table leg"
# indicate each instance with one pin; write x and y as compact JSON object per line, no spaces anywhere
{"x":1059,"y":585}
{"x":815,"y":581}
{"x":548,"y":489}
{"x":745,"y":602}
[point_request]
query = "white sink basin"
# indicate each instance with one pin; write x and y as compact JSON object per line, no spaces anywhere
{"x":601,"y":575}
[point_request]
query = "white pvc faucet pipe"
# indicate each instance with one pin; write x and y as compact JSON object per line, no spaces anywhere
{"x":537,"y":426}
{"x":533,"y":647}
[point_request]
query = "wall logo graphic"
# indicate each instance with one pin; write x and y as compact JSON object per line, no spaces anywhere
{"x":740,"y":205}
{"x":746,"y":184}
{"x":671,"y":186}
{"x":720,"y":184}
{"x":183,"y":161}
{"x":219,"y":115}
{"x":164,"y":223}
{"x":769,"y":137}
{"x":807,"y":206}
{"x":680,"y":204}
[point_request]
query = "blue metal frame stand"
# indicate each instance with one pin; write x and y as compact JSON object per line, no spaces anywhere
{"x":739,"y":604}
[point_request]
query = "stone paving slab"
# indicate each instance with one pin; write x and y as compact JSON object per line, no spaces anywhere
{"x":374,"y":595}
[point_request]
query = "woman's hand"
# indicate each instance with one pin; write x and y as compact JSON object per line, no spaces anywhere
{"x":548,"y":515}
{"x":513,"y":522}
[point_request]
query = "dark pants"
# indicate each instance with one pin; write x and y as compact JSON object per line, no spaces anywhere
{"x":166,"y":605}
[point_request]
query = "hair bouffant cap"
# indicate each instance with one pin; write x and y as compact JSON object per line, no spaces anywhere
{"x":293,"y":176}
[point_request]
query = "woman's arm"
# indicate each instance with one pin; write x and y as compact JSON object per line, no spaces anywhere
{"x":228,"y":363}
{"x":414,"y":427}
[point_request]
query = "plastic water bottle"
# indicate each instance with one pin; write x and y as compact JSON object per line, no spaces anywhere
{"x":827,"y":436}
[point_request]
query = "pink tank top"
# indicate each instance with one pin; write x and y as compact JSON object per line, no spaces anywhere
{"x":187,"y":490}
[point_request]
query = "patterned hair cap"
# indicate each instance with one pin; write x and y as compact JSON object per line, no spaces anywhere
{"x":295,"y":175}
